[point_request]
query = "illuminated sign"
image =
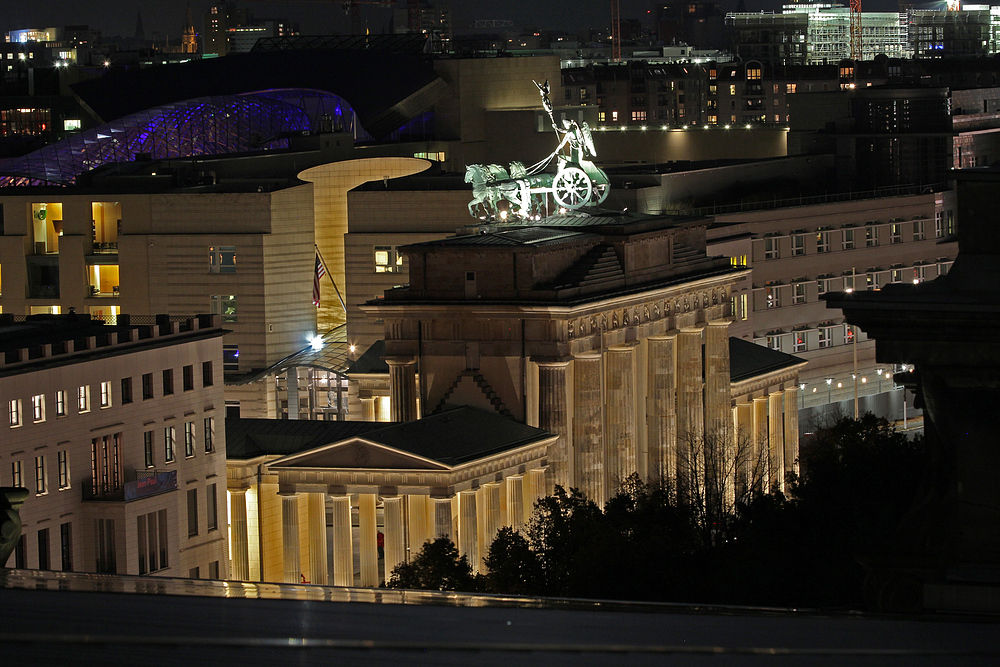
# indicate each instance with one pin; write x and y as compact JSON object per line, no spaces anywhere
{"x":153,"y":485}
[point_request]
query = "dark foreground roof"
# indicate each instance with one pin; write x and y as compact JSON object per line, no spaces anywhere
{"x":250,"y":438}
{"x":747,"y":360}
{"x":450,"y":438}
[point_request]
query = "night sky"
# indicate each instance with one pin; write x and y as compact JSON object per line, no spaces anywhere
{"x":118,"y":17}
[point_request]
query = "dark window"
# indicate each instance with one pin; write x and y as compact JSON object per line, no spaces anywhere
{"x":147,"y":447}
{"x":207,"y":377}
{"x":20,"y":549}
{"x":43,"y":549}
{"x":192,"y":502}
{"x":126,"y":390}
{"x":213,"y":507}
{"x":147,"y":386}
{"x":66,"y":546}
{"x":168,"y":382}
{"x":188,"y":378}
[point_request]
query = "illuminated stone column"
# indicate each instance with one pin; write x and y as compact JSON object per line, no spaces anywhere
{"x":290,"y":537}
{"x":588,"y":425}
{"x":690,"y":408}
{"x":620,"y":440}
{"x":240,"y":548}
{"x":368,"y":409}
{"x":317,"y":538}
{"x":442,"y":518}
{"x":534,"y":489}
{"x":292,"y":391}
{"x":745,"y":446}
{"x":791,"y":430}
{"x":553,"y":416}
{"x":395,"y":539}
{"x":662,"y":415}
{"x":368,"y":546}
{"x":419,"y":524}
{"x":718,"y":442}
{"x":759,"y":459}
{"x":402,"y":389}
{"x":491,"y":516}
{"x":468,"y":528}
{"x":343,"y":541}
{"x":515,"y":502}
{"x":776,"y":449}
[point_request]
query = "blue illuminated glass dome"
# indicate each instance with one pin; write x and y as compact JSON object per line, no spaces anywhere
{"x":212,"y":125}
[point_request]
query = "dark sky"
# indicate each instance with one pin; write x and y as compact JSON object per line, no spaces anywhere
{"x":118,"y":17}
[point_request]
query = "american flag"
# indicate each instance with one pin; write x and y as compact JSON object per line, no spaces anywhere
{"x":317,"y":274}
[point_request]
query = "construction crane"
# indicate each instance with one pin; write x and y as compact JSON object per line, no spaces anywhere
{"x":856,"y":54}
{"x":616,"y":31}
{"x":353,"y":10}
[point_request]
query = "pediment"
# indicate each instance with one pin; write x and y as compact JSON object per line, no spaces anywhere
{"x":357,"y":453}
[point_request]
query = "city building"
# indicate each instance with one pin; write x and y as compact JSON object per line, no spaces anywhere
{"x":117,"y":432}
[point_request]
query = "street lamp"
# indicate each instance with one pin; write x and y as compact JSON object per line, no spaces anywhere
{"x":829,"y":389}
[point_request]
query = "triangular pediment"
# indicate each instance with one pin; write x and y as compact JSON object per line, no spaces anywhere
{"x":357,"y":453}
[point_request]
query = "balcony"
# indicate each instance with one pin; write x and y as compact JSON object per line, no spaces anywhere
{"x":147,"y":482}
{"x":109,"y":248}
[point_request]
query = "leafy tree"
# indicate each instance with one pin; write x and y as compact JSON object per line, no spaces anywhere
{"x":437,"y":567}
{"x":512,"y":567}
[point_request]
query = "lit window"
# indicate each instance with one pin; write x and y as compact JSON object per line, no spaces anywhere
{"x":230,"y":358}
{"x":848,"y":334}
{"x":824,"y":337}
{"x":62,"y":458}
{"x":871,"y":236}
{"x":40,"y":488}
{"x":60,"y":403}
{"x":106,"y":394}
{"x":614,"y":116}
{"x":639,"y":115}
{"x":790,"y":87}
{"x":225,"y":305}
{"x":222,"y":259}
{"x":773,"y":299}
{"x":823,"y":242}
{"x":895,"y":233}
{"x":774,"y":342}
{"x":188,"y":439}
{"x":799,"y":342}
{"x":14,"y":411}
{"x":38,"y":408}
{"x":83,"y":398}
{"x":799,"y":293}
{"x":209,"y":434}
{"x":169,"y":433}
{"x":17,"y":478}
{"x":387,"y":260}
{"x":743,"y":307}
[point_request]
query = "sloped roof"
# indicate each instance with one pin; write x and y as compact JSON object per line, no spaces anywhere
{"x":371,"y":362}
{"x":747,"y":360}
{"x":250,"y":438}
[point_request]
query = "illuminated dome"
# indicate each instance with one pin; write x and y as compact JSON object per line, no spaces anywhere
{"x":212,"y":125}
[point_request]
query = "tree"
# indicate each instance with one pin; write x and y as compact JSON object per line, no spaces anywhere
{"x":437,"y":567}
{"x":512,"y":567}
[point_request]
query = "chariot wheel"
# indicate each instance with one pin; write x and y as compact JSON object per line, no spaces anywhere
{"x":572,"y":188}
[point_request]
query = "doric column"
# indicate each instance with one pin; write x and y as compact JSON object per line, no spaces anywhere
{"x":442,"y":518}
{"x":744,"y":438}
{"x":662,"y":411}
{"x":759,"y":456}
{"x":368,"y":530}
{"x":719,"y":445}
{"x":491,"y":515}
{"x":395,"y":539}
{"x":419,"y":523}
{"x":402,"y":388}
{"x":776,"y":448}
{"x":791,"y":430}
{"x":468,"y":528}
{"x":240,"y":548}
{"x":690,"y":408}
{"x":588,"y":426}
{"x":620,"y":449}
{"x":318,"y":573}
{"x":515,"y":502}
{"x":553,"y":417}
{"x":368,"y":409}
{"x":535,"y":489}
{"x":292,"y":391}
{"x":290,"y":537}
{"x":343,"y":541}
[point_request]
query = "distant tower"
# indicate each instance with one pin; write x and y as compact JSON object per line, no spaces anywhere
{"x":140,"y":34}
{"x":189,"y":38}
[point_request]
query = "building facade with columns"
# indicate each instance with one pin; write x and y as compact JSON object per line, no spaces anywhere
{"x":309,"y":499}
{"x":609,"y":331}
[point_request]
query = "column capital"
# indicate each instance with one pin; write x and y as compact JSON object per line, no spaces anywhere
{"x":241,"y":491}
{"x":552,"y":362}
{"x":288,"y":494}
{"x":627,"y":346}
{"x":400,"y":360}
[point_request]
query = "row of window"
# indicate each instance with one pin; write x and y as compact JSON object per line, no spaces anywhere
{"x":44,"y":552}
{"x":811,"y":339}
{"x":83,"y":399}
{"x":41,"y":473}
{"x":170,"y":441}
{"x":851,"y":236}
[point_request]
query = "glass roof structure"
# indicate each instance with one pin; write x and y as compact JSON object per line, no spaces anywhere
{"x":214,"y":125}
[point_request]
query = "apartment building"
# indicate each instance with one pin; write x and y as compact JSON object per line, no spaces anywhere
{"x":117,"y":432}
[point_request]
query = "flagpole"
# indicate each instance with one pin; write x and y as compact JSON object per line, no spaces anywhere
{"x":330,"y":275}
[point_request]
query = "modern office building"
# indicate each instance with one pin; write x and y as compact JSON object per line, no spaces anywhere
{"x":117,"y":432}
